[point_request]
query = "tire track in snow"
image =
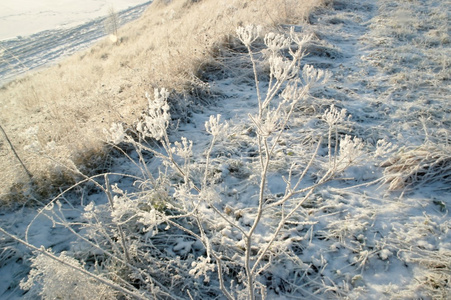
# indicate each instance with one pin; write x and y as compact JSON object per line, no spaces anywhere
{"x":24,"y":54}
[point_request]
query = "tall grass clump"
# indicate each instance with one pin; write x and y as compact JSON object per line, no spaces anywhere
{"x":182,"y":235}
{"x":412,"y":168}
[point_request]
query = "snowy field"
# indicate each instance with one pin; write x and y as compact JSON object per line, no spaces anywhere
{"x":372,"y":218}
{"x":25,"y":17}
{"x":37,"y":33}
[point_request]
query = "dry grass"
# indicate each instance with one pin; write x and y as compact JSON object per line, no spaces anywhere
{"x":69,"y":105}
{"x":428,"y":163}
{"x":432,"y":276}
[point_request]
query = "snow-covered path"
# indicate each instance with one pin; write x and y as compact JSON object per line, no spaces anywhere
{"x":26,"y":17}
{"x":23,"y":54}
{"x":355,"y":239}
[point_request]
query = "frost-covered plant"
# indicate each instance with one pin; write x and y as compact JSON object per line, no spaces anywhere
{"x":50,"y":279}
{"x":333,"y":117}
{"x":197,"y":207}
{"x":351,"y":149}
{"x":176,"y":233}
{"x":156,"y":121}
{"x":198,"y":198}
{"x":55,"y":277}
{"x":248,"y":34}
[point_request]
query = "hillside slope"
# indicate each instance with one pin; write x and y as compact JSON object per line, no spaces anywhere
{"x":68,"y":106}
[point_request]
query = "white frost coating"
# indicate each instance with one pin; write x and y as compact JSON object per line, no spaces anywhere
{"x":353,"y":239}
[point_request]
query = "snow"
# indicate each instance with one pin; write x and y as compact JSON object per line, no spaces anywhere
{"x":39,"y":33}
{"x":25,"y":17}
{"x":353,"y":238}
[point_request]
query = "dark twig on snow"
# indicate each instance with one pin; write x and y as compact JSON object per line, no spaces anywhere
{"x":15,"y":153}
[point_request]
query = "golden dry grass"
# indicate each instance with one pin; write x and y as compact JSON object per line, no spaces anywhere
{"x":69,"y":105}
{"x":428,"y":163}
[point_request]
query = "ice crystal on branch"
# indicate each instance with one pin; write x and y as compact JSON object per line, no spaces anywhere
{"x":248,"y":34}
{"x":201,"y":268}
{"x":333,"y":116}
{"x":213,"y":126}
{"x":282,"y":69}
{"x":350,"y":150}
{"x":276,"y":42}
{"x":183,"y":149}
{"x":294,"y":92}
{"x":150,"y":219}
{"x":300,"y":41}
{"x":313,"y":76}
{"x":123,"y":207}
{"x":268,"y":124}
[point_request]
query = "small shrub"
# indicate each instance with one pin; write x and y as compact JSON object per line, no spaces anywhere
{"x":174,"y":236}
{"x":112,"y":25}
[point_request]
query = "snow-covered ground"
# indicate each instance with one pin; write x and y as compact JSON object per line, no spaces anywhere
{"x":37,"y":33}
{"x":353,"y":238}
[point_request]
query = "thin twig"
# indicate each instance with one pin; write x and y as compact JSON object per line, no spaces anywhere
{"x":15,"y":153}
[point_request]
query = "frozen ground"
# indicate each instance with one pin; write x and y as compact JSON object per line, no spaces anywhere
{"x":354,"y":238}
{"x":37,"y":33}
